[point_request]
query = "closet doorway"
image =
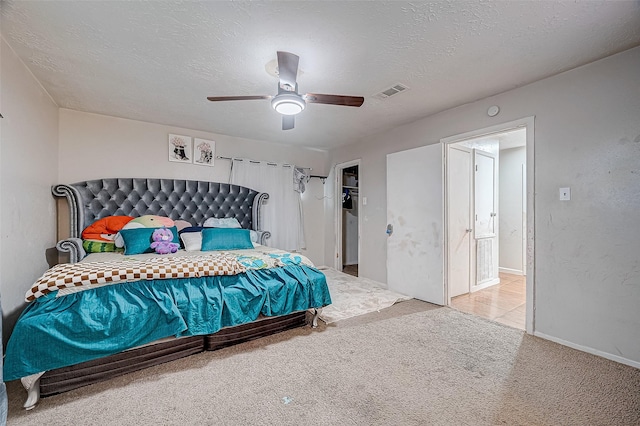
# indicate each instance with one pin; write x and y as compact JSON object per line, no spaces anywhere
{"x":486,"y":223}
{"x":348,"y":217}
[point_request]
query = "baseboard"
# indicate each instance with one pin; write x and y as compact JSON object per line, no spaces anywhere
{"x":510,"y":271}
{"x":485,"y":285}
{"x":589,"y":350}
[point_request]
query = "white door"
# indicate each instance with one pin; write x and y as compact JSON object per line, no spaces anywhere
{"x":459,"y":181}
{"x":486,"y":223}
{"x":415,"y":223}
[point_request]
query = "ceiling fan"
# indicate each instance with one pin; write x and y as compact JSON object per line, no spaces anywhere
{"x":288,"y":101}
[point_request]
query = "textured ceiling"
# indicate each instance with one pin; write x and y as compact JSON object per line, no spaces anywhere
{"x":158,"y":61}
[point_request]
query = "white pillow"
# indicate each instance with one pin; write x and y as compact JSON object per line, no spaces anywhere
{"x":192,"y":241}
{"x":225,"y":222}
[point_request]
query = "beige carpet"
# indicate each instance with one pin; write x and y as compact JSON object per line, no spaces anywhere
{"x":411,"y":364}
{"x":352,"y":296}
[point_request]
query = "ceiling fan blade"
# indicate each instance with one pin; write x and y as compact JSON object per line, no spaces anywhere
{"x":288,"y":121}
{"x":353,"y":101}
{"x":288,"y":69}
{"x":236,"y":98}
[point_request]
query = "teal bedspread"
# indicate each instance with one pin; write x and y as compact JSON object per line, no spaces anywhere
{"x":55,"y":332}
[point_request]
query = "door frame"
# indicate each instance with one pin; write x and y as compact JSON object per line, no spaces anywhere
{"x":528,"y":123}
{"x":338,"y":211}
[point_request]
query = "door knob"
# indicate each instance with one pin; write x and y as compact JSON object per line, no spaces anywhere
{"x":469,"y":230}
{"x":389,"y":229}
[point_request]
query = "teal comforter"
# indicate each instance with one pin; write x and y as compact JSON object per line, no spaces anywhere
{"x":55,"y":332}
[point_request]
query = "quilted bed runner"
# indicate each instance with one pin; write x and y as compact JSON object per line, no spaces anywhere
{"x":129,"y":269}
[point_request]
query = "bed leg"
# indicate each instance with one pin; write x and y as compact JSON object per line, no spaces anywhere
{"x":32,"y":385}
{"x":316,"y":315}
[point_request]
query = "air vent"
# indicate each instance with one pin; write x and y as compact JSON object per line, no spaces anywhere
{"x":391,"y":91}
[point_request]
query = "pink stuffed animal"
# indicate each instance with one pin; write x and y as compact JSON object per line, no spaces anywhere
{"x":163,"y":241}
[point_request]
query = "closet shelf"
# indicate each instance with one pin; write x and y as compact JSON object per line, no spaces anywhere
{"x":350,"y":187}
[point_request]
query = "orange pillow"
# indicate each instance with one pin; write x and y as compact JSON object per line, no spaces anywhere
{"x":105,"y":229}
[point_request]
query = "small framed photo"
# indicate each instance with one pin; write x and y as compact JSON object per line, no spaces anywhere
{"x":180,"y":148}
{"x":203,"y":152}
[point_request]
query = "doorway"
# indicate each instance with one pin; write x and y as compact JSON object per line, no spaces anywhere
{"x":487,"y":195}
{"x":348,"y":217}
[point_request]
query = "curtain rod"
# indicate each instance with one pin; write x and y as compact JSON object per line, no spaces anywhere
{"x":256,"y":161}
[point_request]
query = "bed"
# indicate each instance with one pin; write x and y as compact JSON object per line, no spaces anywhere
{"x":105,"y":314}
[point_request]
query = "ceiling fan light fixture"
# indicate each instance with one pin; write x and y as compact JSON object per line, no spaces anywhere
{"x":288,"y":104}
{"x":288,"y":101}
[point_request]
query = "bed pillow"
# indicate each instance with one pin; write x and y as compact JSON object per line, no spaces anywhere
{"x":182,"y":224}
{"x":191,"y":238}
{"x":99,"y":236}
{"x":138,"y":240}
{"x":106,"y":228}
{"x":190,"y":229}
{"x":191,"y":241}
{"x":146,"y":221}
{"x":221,"y":222}
{"x":98,"y":246}
{"x":225,"y":239}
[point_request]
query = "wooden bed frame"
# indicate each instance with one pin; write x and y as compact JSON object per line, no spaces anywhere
{"x":193,"y":201}
{"x":68,"y":378}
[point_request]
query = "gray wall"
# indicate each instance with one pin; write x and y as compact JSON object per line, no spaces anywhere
{"x":512,"y":200}
{"x":120,"y":147}
{"x":29,"y":166}
{"x":587,"y":136}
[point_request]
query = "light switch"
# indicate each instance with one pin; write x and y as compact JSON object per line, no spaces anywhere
{"x":364,"y":201}
{"x":565,"y":194}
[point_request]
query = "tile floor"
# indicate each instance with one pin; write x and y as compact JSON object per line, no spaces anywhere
{"x":504,"y":302}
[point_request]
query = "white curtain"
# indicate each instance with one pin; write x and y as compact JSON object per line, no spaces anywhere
{"x":282,"y":213}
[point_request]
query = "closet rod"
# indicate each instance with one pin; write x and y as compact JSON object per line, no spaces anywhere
{"x":256,"y":161}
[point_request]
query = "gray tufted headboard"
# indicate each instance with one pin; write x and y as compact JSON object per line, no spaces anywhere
{"x":193,"y":201}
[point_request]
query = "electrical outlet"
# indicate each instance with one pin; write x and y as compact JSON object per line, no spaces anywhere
{"x":565,"y":194}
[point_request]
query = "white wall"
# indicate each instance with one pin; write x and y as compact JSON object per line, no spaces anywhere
{"x":587,"y":136}
{"x":95,"y":146}
{"x":313,"y":212}
{"x":28,"y":168}
{"x":350,"y":233}
{"x":512,"y":199}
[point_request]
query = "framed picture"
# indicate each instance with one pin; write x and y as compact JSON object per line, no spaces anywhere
{"x":180,"y":148}
{"x":203,"y":152}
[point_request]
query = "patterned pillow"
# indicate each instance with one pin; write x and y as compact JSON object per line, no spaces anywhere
{"x":95,"y":246}
{"x":99,"y":236}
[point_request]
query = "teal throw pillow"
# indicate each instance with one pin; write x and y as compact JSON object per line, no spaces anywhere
{"x":138,"y":240}
{"x":225,"y":239}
